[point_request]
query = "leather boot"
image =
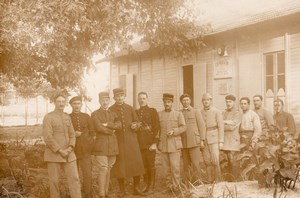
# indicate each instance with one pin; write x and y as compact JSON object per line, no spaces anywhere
{"x":146,"y":181}
{"x":151,"y":181}
{"x":136,"y":185}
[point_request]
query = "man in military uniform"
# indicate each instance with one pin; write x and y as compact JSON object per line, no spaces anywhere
{"x":106,"y":146}
{"x":283,"y":119}
{"x":172,"y":125}
{"x":250,"y":129}
{"x":265,"y":116}
{"x":59,"y":136}
{"x":192,"y":139}
{"x":232,"y":120}
{"x":129,"y":162}
{"x":214,"y":138}
{"x":84,"y":133}
{"x":147,"y":136}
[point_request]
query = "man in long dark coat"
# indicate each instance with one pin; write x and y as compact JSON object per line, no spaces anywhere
{"x":129,"y":161}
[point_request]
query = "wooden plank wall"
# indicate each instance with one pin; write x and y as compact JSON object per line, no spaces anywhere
{"x":294,"y":76}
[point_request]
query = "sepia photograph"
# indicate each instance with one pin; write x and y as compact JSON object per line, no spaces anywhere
{"x":150,"y":98}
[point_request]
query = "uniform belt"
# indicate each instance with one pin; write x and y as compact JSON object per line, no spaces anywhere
{"x":246,"y":131}
{"x":211,"y":128}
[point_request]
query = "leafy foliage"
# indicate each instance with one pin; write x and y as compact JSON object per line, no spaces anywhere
{"x":274,"y":160}
{"x":25,"y":167}
{"x":54,"y":41}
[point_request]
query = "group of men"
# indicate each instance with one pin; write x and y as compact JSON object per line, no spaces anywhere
{"x":124,"y":140}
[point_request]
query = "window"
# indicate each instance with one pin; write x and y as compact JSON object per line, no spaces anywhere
{"x":274,"y":77}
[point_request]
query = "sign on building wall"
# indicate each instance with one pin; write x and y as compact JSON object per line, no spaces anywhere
{"x":223,"y":68}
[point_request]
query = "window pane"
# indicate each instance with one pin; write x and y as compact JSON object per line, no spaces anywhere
{"x":280,"y":62}
{"x":281,"y":82}
{"x":269,"y":64}
{"x":269,"y":83}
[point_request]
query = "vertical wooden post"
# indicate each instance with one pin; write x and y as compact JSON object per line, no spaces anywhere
{"x":26,"y":110}
{"x":36,"y":109}
{"x":2,"y":108}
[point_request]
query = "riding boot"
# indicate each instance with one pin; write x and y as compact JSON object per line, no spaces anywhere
{"x":136,"y":185}
{"x":151,"y":180}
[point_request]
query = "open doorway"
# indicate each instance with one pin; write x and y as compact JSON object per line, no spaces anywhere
{"x":188,"y":81}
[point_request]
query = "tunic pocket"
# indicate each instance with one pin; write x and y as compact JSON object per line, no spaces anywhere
{"x":178,"y":142}
{"x":67,"y":122}
{"x":212,"y":136}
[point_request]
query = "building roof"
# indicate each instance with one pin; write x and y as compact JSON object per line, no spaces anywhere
{"x":267,"y":10}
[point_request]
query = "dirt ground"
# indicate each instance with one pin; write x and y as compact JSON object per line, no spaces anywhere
{"x":245,"y":189}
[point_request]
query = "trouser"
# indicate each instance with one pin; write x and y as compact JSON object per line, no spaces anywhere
{"x":136,"y":182}
{"x":105,"y":164}
{"x":211,"y":157}
{"x":171,"y":167}
{"x":191,"y":163}
{"x":246,"y":137}
{"x":85,"y":165}
{"x":70,"y":169}
{"x":232,"y":166}
{"x":149,"y":164}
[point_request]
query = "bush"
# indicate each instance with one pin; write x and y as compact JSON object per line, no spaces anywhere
{"x":274,"y":159}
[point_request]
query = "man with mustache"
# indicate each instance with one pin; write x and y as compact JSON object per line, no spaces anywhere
{"x":129,"y":163}
{"x":147,"y":136}
{"x":265,"y":116}
{"x":59,"y":136}
{"x":172,"y":125}
{"x":232,"y":120}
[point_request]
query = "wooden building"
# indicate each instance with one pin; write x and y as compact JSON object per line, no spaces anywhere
{"x":259,"y":54}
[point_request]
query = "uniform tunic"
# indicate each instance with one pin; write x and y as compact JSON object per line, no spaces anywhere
{"x":129,"y":161}
{"x":250,"y":122}
{"x":84,"y":143}
{"x":284,"y":119}
{"x":58,"y":134}
{"x":149,"y":117}
{"x":195,"y":131}
{"x":172,"y":120}
{"x":265,"y":117}
{"x":214,"y":125}
{"x":231,"y":130}
{"x":106,"y":141}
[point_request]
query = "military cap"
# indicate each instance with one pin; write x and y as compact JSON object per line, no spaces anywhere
{"x":185,"y":96}
{"x":75,"y":98}
{"x":206,"y":96}
{"x":230,"y":97}
{"x":118,"y":91}
{"x":168,"y":96}
{"x":103,"y":94}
